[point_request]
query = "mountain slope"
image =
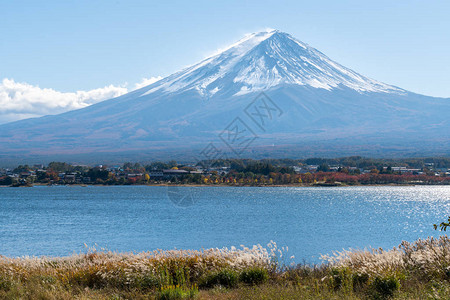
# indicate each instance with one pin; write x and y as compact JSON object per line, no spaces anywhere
{"x":317,"y":104}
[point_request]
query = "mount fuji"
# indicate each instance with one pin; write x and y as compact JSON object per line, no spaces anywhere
{"x":289,"y":99}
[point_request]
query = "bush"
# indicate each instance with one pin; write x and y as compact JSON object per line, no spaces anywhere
{"x":146,"y":282}
{"x":254,"y":276}
{"x":173,"y":292}
{"x":226,"y":278}
{"x":359,"y":281}
{"x":384,"y":287}
{"x":340,"y":278}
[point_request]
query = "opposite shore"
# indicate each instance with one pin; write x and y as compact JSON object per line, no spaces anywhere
{"x":349,"y":171}
{"x":318,"y":184}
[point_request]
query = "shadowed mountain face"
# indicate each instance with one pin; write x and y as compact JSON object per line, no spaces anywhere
{"x":267,"y":95}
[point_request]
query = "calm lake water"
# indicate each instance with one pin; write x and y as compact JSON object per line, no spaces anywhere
{"x":58,"y":220}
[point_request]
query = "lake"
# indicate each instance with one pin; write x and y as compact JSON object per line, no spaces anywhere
{"x":59,"y":220}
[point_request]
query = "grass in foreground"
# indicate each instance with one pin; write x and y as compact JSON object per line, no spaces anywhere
{"x":420,"y":270}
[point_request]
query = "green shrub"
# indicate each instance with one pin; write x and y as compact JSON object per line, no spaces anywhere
{"x":173,"y":292}
{"x":360,"y":281}
{"x":340,"y":278}
{"x":146,"y":282}
{"x":226,"y":278}
{"x":254,"y":276}
{"x":384,"y":287}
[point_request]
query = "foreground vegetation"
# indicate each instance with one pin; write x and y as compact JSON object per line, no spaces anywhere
{"x":420,"y":270}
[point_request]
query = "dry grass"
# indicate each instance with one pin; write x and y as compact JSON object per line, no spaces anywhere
{"x":419,"y":270}
{"x":429,"y":259}
{"x":135,"y":273}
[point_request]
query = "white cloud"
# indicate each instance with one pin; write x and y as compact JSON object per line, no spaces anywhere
{"x":146,"y":81}
{"x":22,"y":100}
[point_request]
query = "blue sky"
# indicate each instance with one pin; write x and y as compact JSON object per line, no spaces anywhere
{"x":72,"y":46}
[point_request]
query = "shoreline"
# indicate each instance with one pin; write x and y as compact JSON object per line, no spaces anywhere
{"x":319,"y":185}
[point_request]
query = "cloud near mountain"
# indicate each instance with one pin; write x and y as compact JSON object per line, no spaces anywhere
{"x":19,"y":100}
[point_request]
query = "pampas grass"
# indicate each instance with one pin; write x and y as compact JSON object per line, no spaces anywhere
{"x":418,"y":270}
{"x":428,"y":258}
{"x":102,"y":269}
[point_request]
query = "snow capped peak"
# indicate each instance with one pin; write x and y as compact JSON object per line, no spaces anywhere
{"x":261,"y":61}
{"x":249,"y":40}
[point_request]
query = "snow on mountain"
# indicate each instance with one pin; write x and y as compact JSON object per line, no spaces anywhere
{"x":263,"y":60}
{"x":326,"y":108}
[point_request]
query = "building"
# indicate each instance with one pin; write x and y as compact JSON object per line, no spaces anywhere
{"x":156,"y":174}
{"x":172,"y":172}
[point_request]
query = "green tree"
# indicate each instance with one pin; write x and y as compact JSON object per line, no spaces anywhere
{"x":443,"y":226}
{"x":21,"y":168}
{"x":60,"y":167}
{"x":323,"y":167}
{"x":6,"y":181}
